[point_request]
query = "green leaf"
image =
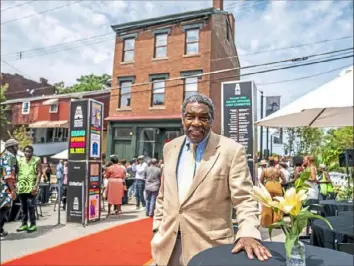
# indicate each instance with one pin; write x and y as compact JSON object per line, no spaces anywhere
{"x":271,"y":227}
{"x":310,"y":215}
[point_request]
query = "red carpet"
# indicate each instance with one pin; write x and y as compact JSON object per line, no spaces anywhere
{"x":127,"y":244}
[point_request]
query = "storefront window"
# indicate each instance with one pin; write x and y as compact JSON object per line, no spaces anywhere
{"x":122,"y":133}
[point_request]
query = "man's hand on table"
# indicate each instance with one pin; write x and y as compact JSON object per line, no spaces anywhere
{"x":252,"y":247}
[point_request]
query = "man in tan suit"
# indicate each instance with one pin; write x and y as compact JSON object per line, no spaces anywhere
{"x":204,"y":176}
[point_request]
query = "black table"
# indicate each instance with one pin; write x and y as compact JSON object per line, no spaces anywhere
{"x":331,"y":206}
{"x":315,"y":256}
{"x":323,"y":236}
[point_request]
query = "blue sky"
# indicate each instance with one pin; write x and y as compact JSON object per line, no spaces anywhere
{"x":260,"y":25}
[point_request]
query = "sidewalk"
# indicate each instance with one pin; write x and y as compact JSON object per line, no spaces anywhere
{"x":50,"y":234}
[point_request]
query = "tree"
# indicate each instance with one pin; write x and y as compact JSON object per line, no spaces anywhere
{"x":84,"y":83}
{"x":21,"y":135}
{"x":334,"y":143}
{"x":3,"y":108}
{"x":303,"y":141}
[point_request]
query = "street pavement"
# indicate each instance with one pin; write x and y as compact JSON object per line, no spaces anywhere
{"x":51,"y":234}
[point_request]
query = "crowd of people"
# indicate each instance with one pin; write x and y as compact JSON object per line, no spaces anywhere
{"x":276,"y":175}
{"x":145,"y":174}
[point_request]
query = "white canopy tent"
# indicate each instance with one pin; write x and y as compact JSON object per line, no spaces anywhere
{"x":61,"y":155}
{"x":331,"y":105}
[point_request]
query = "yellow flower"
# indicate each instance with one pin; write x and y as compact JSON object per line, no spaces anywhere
{"x":292,"y":201}
{"x":262,"y":195}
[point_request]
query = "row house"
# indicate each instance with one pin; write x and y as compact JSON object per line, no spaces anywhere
{"x":150,"y":58}
{"x":47,"y":118}
{"x":20,"y":87}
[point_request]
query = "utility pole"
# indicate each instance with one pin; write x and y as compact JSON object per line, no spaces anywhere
{"x":261,"y":131}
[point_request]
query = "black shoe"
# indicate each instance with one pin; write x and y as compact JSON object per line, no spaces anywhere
{"x":3,"y":234}
{"x":147,"y":214}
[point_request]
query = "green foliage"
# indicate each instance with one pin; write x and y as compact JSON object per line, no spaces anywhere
{"x":84,"y":83}
{"x":334,"y":143}
{"x":20,"y":134}
{"x":303,"y":141}
{"x":3,"y":108}
{"x":345,"y":193}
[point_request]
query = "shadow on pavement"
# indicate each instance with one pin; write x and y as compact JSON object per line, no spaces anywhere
{"x":113,"y":218}
{"x":42,"y":230}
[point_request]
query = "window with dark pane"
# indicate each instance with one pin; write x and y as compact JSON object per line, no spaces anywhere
{"x":123,"y":133}
{"x":192,"y":41}
{"x":190,"y":86}
{"x":161,"y":45}
{"x":125,"y":94}
{"x":158,"y":92}
{"x":128,"y":53}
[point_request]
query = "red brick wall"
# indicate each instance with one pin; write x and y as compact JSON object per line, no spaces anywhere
{"x":40,"y":112}
{"x":145,"y":65}
{"x":221,"y":48}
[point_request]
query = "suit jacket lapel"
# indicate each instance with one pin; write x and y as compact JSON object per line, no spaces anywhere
{"x":210,"y":157}
{"x":175,"y":152}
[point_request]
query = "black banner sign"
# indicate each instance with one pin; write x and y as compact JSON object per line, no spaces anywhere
{"x":85,"y":151}
{"x":238,"y":114}
{"x":76,"y":191}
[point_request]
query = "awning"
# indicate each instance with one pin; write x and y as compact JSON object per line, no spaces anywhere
{"x":139,"y":118}
{"x":50,"y":124}
{"x":50,"y":102}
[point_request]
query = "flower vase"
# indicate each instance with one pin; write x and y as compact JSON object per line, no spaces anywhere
{"x":298,"y":255}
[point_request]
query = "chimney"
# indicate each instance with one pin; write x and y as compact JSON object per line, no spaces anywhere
{"x":43,"y":81}
{"x":232,"y":23}
{"x":218,"y":4}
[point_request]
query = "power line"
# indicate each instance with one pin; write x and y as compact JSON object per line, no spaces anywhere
{"x":42,"y":12}
{"x":227,"y":77}
{"x":292,"y":60}
{"x":19,"y":71}
{"x":22,"y":4}
{"x":303,"y":77}
{"x":285,"y":48}
{"x":264,"y":64}
{"x":92,"y":41}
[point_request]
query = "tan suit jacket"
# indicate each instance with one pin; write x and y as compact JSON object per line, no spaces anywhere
{"x":204,"y":218}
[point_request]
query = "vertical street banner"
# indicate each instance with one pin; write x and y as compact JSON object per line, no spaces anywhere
{"x":238,"y":114}
{"x":272,"y":104}
{"x":95,"y":164}
{"x":84,"y":169}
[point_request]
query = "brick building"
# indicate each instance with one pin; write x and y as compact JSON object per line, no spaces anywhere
{"x":47,"y":118}
{"x":21,"y":87}
{"x":150,"y":58}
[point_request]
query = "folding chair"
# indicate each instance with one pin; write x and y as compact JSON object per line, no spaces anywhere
{"x":38,"y":203}
{"x":316,"y":209}
{"x":344,"y":247}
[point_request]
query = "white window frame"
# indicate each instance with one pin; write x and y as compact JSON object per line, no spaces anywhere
{"x":158,"y":90}
{"x":55,"y":110}
{"x":192,"y":42}
{"x":29,"y":108}
{"x":187,"y":81}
